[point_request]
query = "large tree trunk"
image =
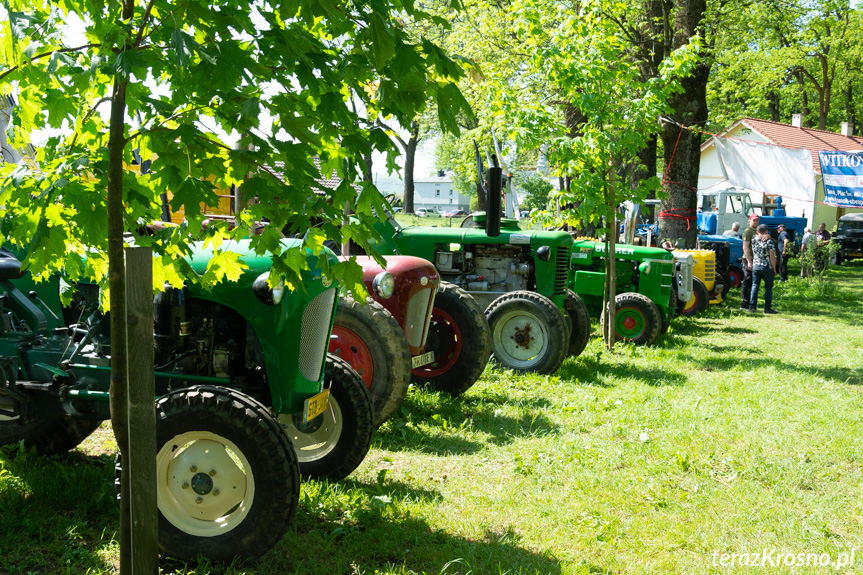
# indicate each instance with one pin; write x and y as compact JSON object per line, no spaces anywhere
{"x":681,"y":146}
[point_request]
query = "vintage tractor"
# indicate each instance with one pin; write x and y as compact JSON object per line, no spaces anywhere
{"x":248,"y":399}
{"x":652,"y":285}
{"x":385,"y":338}
{"x":517,"y":276}
{"x":708,"y":287}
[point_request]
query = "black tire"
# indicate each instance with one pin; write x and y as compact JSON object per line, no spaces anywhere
{"x":460,"y":339}
{"x":201,"y":433}
{"x":735,"y":272}
{"x":528,"y":332}
{"x":49,"y":434}
{"x":637,"y":319}
{"x":578,"y":324}
{"x":725,"y":278}
{"x":369,"y":338}
{"x":468,"y":222}
{"x":700,"y":299}
{"x":332,"y":445}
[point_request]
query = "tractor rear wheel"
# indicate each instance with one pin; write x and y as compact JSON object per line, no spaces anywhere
{"x":636,"y":320}
{"x":333,"y":444}
{"x":369,"y":338}
{"x":460,"y":339}
{"x":735,"y":272}
{"x":49,"y":433}
{"x":528,"y":332}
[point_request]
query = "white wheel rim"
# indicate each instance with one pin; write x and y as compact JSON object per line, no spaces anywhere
{"x":519,"y":354}
{"x":318,"y":442}
{"x":205,"y":483}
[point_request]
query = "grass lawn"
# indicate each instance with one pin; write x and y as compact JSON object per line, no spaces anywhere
{"x":737,"y":434}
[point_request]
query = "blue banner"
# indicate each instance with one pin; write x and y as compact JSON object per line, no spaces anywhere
{"x":842,"y":174}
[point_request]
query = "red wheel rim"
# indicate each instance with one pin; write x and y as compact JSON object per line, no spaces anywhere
{"x":351,"y":348}
{"x":630,"y":323}
{"x":691,"y":305}
{"x":445,"y":340}
{"x":735,"y":278}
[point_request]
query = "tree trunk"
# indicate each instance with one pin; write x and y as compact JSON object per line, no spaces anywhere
{"x":773,"y":105}
{"x":850,"y":115}
{"x":410,"y":163}
{"x":117,"y":286}
{"x":682,"y":152}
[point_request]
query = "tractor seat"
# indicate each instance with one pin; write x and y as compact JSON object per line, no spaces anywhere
{"x":10,"y":266}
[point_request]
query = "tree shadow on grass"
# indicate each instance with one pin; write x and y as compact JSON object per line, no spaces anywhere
{"x":377,"y":537}
{"x":438,"y":430}
{"x":759,"y":362}
{"x":590,"y":372}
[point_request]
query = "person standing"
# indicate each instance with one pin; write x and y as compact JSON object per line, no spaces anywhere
{"x":763,"y":268}
{"x":783,"y":245}
{"x":822,"y":241}
{"x":807,"y":253}
{"x":734,"y":232}
{"x":746,"y":284}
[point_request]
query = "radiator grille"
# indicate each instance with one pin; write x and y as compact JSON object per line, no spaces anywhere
{"x":314,"y":334}
{"x":561,"y":271}
{"x":416,"y":322}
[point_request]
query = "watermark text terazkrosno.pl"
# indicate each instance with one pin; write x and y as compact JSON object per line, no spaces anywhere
{"x":772,"y":557}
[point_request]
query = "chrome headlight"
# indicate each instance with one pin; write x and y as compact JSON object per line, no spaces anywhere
{"x":384,"y":284}
{"x":265,"y":293}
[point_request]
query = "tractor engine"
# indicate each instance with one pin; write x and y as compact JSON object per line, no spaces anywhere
{"x":487,"y":271}
{"x":199,"y":337}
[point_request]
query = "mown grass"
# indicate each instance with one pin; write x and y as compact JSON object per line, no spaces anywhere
{"x":737,"y":433}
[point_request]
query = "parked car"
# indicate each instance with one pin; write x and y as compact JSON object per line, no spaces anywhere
{"x":454,"y":214}
{"x":422,"y":212}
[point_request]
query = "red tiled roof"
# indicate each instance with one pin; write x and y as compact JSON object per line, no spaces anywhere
{"x":789,"y":136}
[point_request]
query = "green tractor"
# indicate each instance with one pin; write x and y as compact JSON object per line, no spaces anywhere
{"x":248,"y":399}
{"x":652,"y":286}
{"x":519,"y":277}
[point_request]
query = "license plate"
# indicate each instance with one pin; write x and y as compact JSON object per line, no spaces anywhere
{"x":421,"y":360}
{"x":315,"y":405}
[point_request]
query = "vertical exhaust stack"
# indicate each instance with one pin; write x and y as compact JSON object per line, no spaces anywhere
{"x":492,"y":216}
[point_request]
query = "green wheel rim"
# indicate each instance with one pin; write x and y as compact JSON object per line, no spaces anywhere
{"x":629,"y":323}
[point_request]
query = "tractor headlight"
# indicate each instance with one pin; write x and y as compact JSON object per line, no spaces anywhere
{"x":265,"y":293}
{"x":644,"y":268}
{"x":384,"y":284}
{"x":543,"y":253}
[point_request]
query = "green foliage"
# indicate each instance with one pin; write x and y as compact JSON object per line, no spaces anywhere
{"x":536,"y":189}
{"x":284,"y":81}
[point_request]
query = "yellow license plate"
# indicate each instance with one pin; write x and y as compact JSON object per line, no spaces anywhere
{"x":315,"y":405}
{"x":421,"y":360}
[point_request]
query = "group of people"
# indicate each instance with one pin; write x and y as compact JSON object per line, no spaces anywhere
{"x":763,"y":261}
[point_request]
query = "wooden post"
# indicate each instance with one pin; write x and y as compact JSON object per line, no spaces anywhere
{"x":140,"y":467}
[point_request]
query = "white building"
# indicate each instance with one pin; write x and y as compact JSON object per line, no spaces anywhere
{"x":787,"y":136}
{"x":436,"y":193}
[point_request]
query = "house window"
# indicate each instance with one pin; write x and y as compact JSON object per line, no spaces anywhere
{"x":450,"y":193}
{"x":437,"y":193}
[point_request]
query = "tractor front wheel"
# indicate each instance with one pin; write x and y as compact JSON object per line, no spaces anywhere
{"x":333,"y":444}
{"x":459,"y":337}
{"x":700,"y":299}
{"x":528,"y":332}
{"x":637,"y":319}
{"x":227,"y":480}
{"x":371,"y":341}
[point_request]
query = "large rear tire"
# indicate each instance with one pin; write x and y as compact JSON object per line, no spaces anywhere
{"x":333,"y":444}
{"x":528,"y":332}
{"x":725,"y":278}
{"x":460,"y":339}
{"x":637,"y":319}
{"x":48,"y":433}
{"x":700,"y":299}
{"x":369,"y":338}
{"x":227,"y":478}
{"x":578,"y":323}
